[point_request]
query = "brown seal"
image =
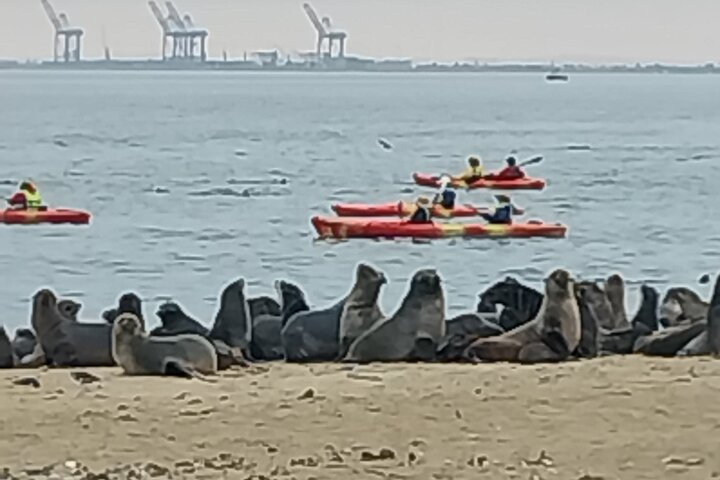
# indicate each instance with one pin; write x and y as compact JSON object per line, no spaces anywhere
{"x":615,"y":291}
{"x":361,"y":309}
{"x":414,"y":332}
{"x":551,"y":336}
{"x":137,"y":353}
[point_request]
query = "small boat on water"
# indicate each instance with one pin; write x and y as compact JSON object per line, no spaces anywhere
{"x":49,"y":215}
{"x":400,"y":209}
{"x":525,"y":183}
{"x":556,"y":76}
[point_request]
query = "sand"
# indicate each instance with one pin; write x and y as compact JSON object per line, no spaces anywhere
{"x":617,"y":417}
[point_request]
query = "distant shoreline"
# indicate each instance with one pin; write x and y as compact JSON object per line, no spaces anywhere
{"x":351,"y":67}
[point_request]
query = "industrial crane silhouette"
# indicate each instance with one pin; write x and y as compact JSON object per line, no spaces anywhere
{"x":72,"y":36}
{"x":325,"y":31}
{"x":182,"y":32}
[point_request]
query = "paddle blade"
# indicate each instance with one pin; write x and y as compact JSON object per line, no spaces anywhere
{"x":532,"y":161}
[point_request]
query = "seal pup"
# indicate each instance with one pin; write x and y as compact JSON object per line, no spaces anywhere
{"x":309,"y":335}
{"x":413,"y":332}
{"x":462,"y":330}
{"x":232,"y":322}
{"x":65,"y":342}
{"x":521,"y":303}
{"x":681,"y":305}
{"x":7,"y":359}
{"x":361,"y":309}
{"x":550,"y":337}
{"x":137,"y":353}
{"x":615,"y":291}
{"x":24,"y":343}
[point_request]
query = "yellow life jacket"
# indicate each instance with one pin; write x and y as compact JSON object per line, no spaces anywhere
{"x":33,"y":200}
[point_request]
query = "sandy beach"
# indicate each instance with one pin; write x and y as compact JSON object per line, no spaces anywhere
{"x":616,"y":417}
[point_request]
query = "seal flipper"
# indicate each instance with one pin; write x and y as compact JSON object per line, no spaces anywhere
{"x":174,"y":367}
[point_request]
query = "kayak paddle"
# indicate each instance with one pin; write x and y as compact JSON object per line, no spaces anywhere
{"x":531,"y":161}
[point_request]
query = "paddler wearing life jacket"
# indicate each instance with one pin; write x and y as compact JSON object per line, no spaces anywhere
{"x":446,"y":195}
{"x":422,"y":213}
{"x":27,"y":197}
{"x":511,"y":171}
{"x":503,"y":212}
{"x":474,"y":171}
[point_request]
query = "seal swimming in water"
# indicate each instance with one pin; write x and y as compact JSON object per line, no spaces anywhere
{"x":550,"y":337}
{"x":139,"y":354}
{"x":69,"y":343}
{"x":521,"y":303}
{"x":232,"y":322}
{"x":413,"y":332}
{"x":361,"y":309}
{"x":308,"y":335}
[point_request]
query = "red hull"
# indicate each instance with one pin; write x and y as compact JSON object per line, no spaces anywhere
{"x":332,"y":227}
{"x":51,"y":215}
{"x":526,"y":183}
{"x":401,"y":209}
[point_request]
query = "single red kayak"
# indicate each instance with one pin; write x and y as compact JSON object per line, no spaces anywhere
{"x":341,"y":228}
{"x":525,"y":183}
{"x":402,"y":209}
{"x":51,"y":215}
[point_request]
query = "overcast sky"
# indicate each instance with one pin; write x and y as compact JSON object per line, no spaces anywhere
{"x":530,"y":30}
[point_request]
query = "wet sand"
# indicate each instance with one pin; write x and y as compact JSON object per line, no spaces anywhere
{"x":617,"y":417}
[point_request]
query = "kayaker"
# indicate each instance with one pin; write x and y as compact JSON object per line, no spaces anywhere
{"x":26,"y":198}
{"x":446,"y":196}
{"x":511,"y":171}
{"x":503,"y":211}
{"x":474,"y":171}
{"x":422,"y":212}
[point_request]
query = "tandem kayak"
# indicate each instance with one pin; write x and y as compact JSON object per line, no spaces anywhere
{"x":51,"y":215}
{"x":402,"y":209}
{"x":341,"y":228}
{"x":526,"y":183}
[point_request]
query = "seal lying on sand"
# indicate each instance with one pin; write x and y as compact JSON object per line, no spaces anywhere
{"x":552,"y":336}
{"x":24,"y":343}
{"x":7,"y":359}
{"x":232,"y":321}
{"x":266,"y":339}
{"x":706,"y":342}
{"x":464,"y":329}
{"x":138,"y":354}
{"x":595,"y":310}
{"x":521,"y":303}
{"x":176,"y":322}
{"x":69,"y":343}
{"x":127,"y":303}
{"x":615,"y":291}
{"x":308,"y":336}
{"x":413,"y":332}
{"x":361,"y":309}
{"x":681,"y":305}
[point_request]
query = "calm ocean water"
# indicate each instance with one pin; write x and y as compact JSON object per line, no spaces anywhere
{"x":163,"y":160}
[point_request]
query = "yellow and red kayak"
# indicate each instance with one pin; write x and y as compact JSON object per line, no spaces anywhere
{"x":341,"y":228}
{"x":402,"y":209}
{"x":50,"y":215}
{"x":526,"y":183}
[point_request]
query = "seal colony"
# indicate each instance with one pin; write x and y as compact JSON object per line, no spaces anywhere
{"x":571,"y":318}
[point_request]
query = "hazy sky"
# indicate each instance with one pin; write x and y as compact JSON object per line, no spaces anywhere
{"x":535,"y":30}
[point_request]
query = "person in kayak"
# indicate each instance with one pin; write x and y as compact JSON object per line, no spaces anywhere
{"x":503,"y":212}
{"x":26,"y":198}
{"x":422,"y":213}
{"x":511,"y":171}
{"x":446,"y":196}
{"x":474,"y":171}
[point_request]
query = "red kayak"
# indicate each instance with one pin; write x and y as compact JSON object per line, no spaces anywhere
{"x":51,"y":215}
{"x":525,"y":183}
{"x":402,"y":209}
{"x":341,"y":228}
